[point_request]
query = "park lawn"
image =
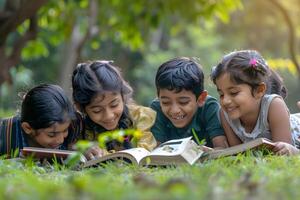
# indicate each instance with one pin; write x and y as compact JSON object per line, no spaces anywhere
{"x":239,"y":177}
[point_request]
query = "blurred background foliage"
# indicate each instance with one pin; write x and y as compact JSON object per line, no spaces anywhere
{"x":139,"y":35}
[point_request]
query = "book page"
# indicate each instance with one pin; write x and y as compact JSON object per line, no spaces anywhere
{"x":192,"y":153}
{"x":171,"y":147}
{"x":134,"y":155}
{"x":174,"y":152}
{"x":137,"y":153}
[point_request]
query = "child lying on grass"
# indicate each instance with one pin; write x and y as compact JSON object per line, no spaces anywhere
{"x":47,"y":120}
{"x":251,"y":97}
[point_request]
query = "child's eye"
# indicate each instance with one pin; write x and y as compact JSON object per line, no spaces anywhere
{"x":50,"y":134}
{"x":165,"y":103}
{"x":97,"y":111}
{"x":115,"y":105}
{"x":234,"y":93}
{"x":183,"y":103}
{"x":65,"y":131}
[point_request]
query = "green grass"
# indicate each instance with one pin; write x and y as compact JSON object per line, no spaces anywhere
{"x":241,"y":177}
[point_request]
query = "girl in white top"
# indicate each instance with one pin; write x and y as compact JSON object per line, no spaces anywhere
{"x":251,"y":97}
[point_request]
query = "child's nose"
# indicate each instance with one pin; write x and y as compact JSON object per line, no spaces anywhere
{"x":109,"y":114}
{"x":175,"y":108}
{"x":226,"y":100}
{"x":60,"y":138}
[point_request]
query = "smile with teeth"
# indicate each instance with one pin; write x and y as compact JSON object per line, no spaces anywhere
{"x":230,"y":109}
{"x":177,"y":117}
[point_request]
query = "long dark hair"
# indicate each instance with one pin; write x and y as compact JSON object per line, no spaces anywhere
{"x":93,"y":78}
{"x":249,"y":67}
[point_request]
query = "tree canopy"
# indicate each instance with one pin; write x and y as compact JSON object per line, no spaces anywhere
{"x":73,"y":23}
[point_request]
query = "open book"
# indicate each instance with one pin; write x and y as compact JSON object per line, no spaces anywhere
{"x":172,"y":152}
{"x":259,"y":143}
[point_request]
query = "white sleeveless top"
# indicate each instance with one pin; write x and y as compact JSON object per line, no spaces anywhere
{"x":295,"y":128}
{"x":262,"y":128}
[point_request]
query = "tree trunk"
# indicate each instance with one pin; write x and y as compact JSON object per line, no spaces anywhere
{"x":292,"y":37}
{"x":14,"y":14}
{"x":71,"y":55}
{"x":73,"y":47}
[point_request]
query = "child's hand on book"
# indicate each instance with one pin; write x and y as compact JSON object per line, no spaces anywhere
{"x":94,"y":152}
{"x":205,"y":148}
{"x":283,"y":148}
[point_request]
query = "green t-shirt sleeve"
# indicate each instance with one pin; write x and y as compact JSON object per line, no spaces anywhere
{"x":211,"y":119}
{"x":159,"y":128}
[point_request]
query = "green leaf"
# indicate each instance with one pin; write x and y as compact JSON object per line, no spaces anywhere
{"x":35,"y":49}
{"x":83,"y":145}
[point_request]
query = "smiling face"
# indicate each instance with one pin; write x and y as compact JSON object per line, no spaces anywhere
{"x":237,"y":99}
{"x":51,"y":137}
{"x":106,"y":110}
{"x":178,"y":107}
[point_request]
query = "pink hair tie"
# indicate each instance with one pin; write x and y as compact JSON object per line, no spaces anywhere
{"x":253,"y":62}
{"x":126,"y":138}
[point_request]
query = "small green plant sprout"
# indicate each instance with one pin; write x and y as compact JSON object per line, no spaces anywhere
{"x":15,"y":153}
{"x":83,"y":145}
{"x":148,"y":161}
{"x":120,"y":135}
{"x":77,"y":157}
{"x":200,"y":142}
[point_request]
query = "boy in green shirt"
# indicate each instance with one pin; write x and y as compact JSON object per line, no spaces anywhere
{"x":183,"y":106}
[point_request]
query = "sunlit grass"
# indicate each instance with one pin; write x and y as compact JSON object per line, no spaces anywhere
{"x":240,"y":177}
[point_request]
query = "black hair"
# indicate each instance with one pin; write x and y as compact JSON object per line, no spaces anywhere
{"x":275,"y":85}
{"x":45,"y":105}
{"x":93,"y":78}
{"x":180,"y":73}
{"x":249,"y":67}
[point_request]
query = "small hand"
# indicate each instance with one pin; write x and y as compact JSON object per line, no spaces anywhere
{"x":298,"y":104}
{"x":94,"y":152}
{"x":205,"y":148}
{"x":283,"y":148}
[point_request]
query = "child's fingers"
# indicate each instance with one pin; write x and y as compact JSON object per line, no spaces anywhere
{"x":276,"y":149}
{"x":285,"y":151}
{"x":206,"y":148}
{"x":94,"y":152}
{"x":90,"y":156}
{"x":282,"y":152}
{"x":282,"y":148}
{"x":279,"y":148}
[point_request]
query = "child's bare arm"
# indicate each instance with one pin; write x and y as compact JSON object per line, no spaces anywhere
{"x":279,"y":121}
{"x":232,"y":138}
